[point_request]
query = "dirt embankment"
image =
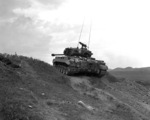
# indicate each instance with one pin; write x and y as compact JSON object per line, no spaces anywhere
{"x":34,"y":90}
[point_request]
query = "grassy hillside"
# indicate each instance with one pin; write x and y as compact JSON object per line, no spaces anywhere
{"x":31,"y":89}
{"x":25,"y":91}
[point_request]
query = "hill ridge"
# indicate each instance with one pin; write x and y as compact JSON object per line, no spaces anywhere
{"x":35,"y":90}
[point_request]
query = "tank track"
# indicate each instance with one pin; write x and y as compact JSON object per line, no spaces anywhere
{"x":71,"y":71}
{"x":63,"y":69}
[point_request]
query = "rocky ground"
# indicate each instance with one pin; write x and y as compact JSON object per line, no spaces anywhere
{"x":33,"y":90}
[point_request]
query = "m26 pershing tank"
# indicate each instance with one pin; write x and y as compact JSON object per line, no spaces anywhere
{"x":79,"y":60}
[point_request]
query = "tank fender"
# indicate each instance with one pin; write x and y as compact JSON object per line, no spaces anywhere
{"x":104,"y":67}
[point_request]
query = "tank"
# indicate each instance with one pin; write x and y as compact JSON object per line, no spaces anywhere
{"x":79,"y":61}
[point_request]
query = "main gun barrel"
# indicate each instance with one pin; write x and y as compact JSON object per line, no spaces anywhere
{"x":56,"y":54}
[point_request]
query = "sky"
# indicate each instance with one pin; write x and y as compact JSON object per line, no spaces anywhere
{"x":120,"y":31}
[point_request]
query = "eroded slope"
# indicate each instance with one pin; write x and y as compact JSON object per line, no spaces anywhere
{"x":37,"y":91}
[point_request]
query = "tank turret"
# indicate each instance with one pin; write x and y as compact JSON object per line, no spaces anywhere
{"x":82,"y":52}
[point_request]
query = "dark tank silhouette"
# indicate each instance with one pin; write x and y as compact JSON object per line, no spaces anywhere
{"x":79,"y":60}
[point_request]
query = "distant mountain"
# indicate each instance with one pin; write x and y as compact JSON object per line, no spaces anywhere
{"x":137,"y":74}
{"x":123,"y":69}
{"x":131,"y":69}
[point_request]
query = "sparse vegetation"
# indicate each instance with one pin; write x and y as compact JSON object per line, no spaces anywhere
{"x":37,"y":91}
{"x":144,"y":83}
{"x":18,"y":110}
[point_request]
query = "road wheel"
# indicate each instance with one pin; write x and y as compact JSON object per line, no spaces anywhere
{"x":68,"y":71}
{"x":63,"y":69}
{"x":60,"y":69}
{"x":98,"y":71}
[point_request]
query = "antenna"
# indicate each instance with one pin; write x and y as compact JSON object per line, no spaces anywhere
{"x":81,"y":32}
{"x":90,"y":34}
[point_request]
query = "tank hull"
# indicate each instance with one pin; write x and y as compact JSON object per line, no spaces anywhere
{"x":80,"y":65}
